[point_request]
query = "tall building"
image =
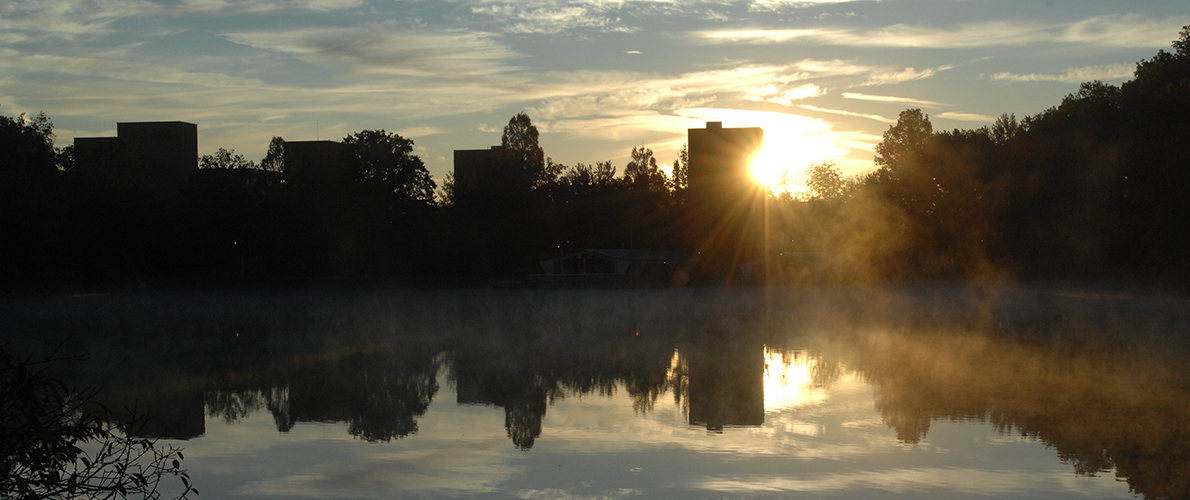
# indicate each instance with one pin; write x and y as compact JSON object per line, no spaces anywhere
{"x":726,"y":204}
{"x":314,"y":165}
{"x":165,"y":153}
{"x":472,"y":166}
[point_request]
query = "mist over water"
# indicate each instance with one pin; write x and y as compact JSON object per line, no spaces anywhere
{"x":947,"y":390}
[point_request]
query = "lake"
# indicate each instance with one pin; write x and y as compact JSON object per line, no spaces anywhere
{"x":943,"y":391}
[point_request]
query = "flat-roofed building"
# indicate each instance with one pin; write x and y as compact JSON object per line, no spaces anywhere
{"x":726,"y":204}
{"x":164,"y":153}
{"x":472,"y":166}
{"x":314,"y":165}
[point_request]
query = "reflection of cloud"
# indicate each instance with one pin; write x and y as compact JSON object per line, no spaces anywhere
{"x":902,"y":481}
{"x":458,"y":469}
{"x":1072,"y":75}
{"x":967,"y":117}
{"x":1109,"y":31}
{"x":886,"y":98}
{"x":847,"y":113}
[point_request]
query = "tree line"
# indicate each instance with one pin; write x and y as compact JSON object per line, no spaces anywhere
{"x":1090,"y":189}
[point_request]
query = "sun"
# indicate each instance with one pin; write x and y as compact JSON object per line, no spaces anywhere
{"x":791,"y":144}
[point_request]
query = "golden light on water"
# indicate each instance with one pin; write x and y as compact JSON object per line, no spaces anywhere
{"x":789,"y":379}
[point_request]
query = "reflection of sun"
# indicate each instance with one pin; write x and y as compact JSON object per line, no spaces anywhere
{"x":788,"y":380}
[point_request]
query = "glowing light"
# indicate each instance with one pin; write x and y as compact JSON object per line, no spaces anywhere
{"x":791,"y":144}
{"x":789,"y":380}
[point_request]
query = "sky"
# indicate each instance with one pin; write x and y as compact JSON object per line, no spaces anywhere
{"x":824,"y":78}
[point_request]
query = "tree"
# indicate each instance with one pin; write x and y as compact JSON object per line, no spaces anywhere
{"x":903,"y":141}
{"x":642,"y":171}
{"x":1005,"y":128}
{"x":385,"y":161}
{"x":43,"y":426}
{"x":679,"y":179}
{"x":825,"y":181}
{"x":274,"y":159}
{"x":226,"y":159}
{"x":524,"y":155}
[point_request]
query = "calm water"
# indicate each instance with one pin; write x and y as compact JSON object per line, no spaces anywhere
{"x":938,"y":391}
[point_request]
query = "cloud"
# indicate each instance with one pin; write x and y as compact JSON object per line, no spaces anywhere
{"x":552,"y":19}
{"x":847,"y":113}
{"x":966,"y":117}
{"x":780,"y":5}
{"x":71,"y":19}
{"x":452,"y":54}
{"x":1105,"y":31}
{"x":1072,"y":75}
{"x":905,"y":75}
{"x":770,"y":93}
{"x":885,"y":98}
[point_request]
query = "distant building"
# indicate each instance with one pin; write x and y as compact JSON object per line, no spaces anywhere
{"x":314,"y":164}
{"x":472,"y":165}
{"x":166,"y":153}
{"x":725,"y":218}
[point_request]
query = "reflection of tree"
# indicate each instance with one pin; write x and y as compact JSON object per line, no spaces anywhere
{"x":44,"y":426}
{"x":379,"y":393}
{"x":1098,"y":408}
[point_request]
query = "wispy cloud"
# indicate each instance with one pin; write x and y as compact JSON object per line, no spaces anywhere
{"x":886,"y":98}
{"x":966,"y":117}
{"x":1072,"y":75}
{"x":905,"y":75}
{"x":551,"y":19}
{"x":453,"y":54}
{"x":847,"y":113}
{"x":75,"y":18}
{"x":1108,"y":31}
{"x":770,"y":93}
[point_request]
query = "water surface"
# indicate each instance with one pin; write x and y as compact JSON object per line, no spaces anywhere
{"x":932,"y":391}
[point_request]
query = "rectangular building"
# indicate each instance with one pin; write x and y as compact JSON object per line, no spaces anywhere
{"x":725,"y":209}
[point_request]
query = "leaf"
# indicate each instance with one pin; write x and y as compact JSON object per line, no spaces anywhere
{"x":177,"y":464}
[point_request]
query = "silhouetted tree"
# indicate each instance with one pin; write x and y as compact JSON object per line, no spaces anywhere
{"x":385,"y":162}
{"x":679,"y":179}
{"x":825,"y":181}
{"x":225,"y":159}
{"x":642,"y":171}
{"x":44,"y":426}
{"x":274,"y":159}
{"x":522,"y":151}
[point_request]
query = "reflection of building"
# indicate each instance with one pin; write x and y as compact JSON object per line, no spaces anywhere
{"x":166,"y":415}
{"x":167,"y":152}
{"x":726,"y":203}
{"x":726,"y":386}
{"x":471,"y":166}
{"x":622,"y":266}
